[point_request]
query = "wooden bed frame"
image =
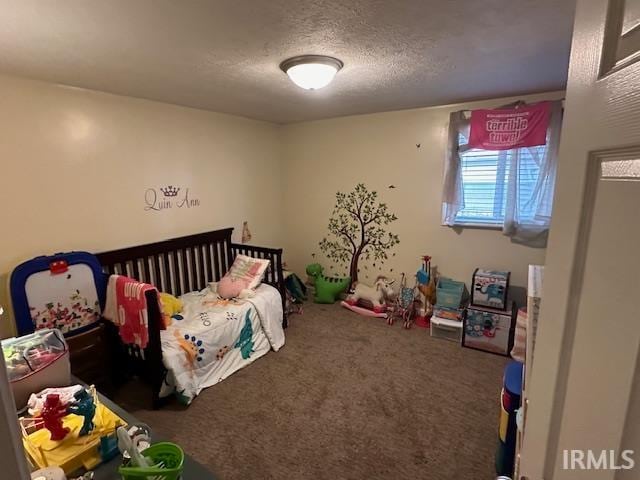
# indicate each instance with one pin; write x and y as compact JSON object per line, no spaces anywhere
{"x":177,"y":266}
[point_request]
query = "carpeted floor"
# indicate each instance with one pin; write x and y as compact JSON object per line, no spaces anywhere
{"x":348,"y":397}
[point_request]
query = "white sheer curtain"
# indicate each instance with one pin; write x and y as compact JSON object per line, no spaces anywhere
{"x":453,"y":193}
{"x":527,"y":212}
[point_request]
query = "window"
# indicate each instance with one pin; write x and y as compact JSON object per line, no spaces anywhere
{"x":511,"y":190}
{"x":485,"y":182}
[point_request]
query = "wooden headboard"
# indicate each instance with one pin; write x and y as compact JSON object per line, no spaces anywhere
{"x":176,"y":266}
{"x":185,"y":264}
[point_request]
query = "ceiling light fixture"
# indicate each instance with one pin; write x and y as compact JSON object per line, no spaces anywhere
{"x":311,"y":72}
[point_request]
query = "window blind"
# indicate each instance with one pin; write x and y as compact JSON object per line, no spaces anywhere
{"x":485,"y":177}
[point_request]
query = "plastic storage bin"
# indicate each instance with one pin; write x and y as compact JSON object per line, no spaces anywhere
{"x":446,"y":329}
{"x":35,"y":362}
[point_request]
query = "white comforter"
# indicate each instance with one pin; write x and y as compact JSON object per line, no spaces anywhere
{"x":212,"y":338}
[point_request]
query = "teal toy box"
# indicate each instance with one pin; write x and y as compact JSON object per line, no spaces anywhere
{"x":449,"y":293}
{"x":489,"y":288}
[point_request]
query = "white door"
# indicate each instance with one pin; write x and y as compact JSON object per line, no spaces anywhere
{"x":585,"y":387}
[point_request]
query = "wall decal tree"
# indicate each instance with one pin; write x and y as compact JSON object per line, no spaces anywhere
{"x":357,"y":227}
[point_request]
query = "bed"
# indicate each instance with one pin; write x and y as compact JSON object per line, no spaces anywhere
{"x":185,"y":267}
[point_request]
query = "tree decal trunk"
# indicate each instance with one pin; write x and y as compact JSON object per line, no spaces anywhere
{"x":353,"y":267}
{"x":356,"y":230}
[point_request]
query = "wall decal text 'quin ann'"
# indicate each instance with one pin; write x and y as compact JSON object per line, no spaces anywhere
{"x":166,"y":198}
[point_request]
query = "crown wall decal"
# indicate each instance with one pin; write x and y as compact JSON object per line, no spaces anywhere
{"x":170,"y":191}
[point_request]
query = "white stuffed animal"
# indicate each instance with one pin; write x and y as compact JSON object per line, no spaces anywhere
{"x":375,"y":294}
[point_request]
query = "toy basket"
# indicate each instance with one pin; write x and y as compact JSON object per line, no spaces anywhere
{"x":168,"y":453}
{"x":449,"y":293}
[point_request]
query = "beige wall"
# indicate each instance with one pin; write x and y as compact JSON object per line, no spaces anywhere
{"x":75,"y":165}
{"x":379,"y":150}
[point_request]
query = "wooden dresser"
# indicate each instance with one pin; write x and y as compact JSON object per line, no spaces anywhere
{"x":90,"y":357}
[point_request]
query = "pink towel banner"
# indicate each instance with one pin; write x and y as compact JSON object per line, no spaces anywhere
{"x":504,"y":129}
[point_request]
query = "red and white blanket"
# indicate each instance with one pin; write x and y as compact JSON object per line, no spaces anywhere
{"x":126,"y":306}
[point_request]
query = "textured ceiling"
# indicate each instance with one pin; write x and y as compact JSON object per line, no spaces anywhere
{"x":223,"y":55}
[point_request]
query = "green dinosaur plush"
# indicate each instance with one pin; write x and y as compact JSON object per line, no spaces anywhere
{"x":327,"y":288}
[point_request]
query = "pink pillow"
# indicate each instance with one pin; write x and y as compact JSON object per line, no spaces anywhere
{"x":230,"y":288}
{"x":246,"y":272}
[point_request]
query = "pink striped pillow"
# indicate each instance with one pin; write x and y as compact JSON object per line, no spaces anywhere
{"x":245,"y":273}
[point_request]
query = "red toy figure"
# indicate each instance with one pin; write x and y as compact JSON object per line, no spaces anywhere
{"x":52,"y":414}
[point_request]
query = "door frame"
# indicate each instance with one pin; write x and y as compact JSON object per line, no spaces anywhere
{"x":596,"y":128}
{"x":590,"y":192}
{"x":15,"y":465}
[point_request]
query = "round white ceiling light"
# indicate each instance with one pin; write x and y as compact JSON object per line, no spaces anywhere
{"x":311,"y":72}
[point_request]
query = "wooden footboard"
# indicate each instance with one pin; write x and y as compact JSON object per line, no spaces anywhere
{"x":178,"y":266}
